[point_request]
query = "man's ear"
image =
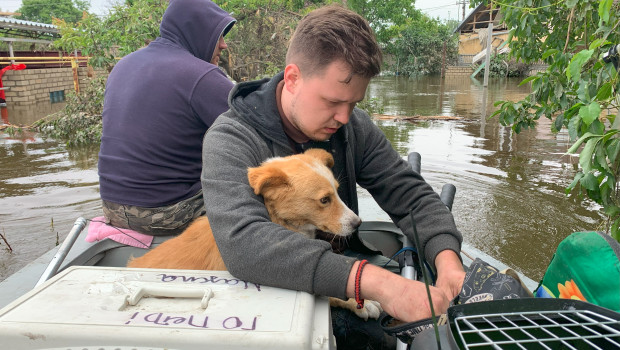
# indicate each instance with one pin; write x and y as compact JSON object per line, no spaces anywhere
{"x":322,"y":155}
{"x":292,"y":75}
{"x":265,"y":178}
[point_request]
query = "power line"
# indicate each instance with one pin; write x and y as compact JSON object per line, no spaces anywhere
{"x":436,"y":8}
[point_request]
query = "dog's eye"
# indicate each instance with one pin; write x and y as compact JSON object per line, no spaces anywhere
{"x":325,"y":200}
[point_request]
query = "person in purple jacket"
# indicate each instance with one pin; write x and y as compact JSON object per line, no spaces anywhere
{"x":159,"y":102}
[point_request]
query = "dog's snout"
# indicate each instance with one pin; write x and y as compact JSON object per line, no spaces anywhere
{"x":350,"y":222}
{"x":356,"y":221}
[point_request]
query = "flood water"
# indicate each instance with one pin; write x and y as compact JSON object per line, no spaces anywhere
{"x":510,"y":200}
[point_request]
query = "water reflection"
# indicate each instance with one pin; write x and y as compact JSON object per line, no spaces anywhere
{"x":510,"y":200}
{"x":43,"y":188}
{"x":26,"y":115}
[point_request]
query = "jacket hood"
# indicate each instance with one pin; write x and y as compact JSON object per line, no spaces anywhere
{"x":255,"y":103}
{"x":195,"y":25}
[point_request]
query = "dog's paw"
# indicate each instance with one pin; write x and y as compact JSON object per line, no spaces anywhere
{"x":371,"y":309}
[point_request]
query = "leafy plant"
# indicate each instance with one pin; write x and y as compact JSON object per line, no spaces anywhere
{"x":258,"y":41}
{"x":421,"y":46}
{"x":386,"y":17}
{"x":13,"y":130}
{"x":80,"y":120}
{"x":371,"y":105}
{"x":502,"y":66}
{"x":578,"y":91}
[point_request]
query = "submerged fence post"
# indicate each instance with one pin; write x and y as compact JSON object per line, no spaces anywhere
{"x":488,"y":55}
{"x":443,"y":61}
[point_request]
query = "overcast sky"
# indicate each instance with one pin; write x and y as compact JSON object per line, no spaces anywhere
{"x":444,"y":9}
{"x":96,"y":6}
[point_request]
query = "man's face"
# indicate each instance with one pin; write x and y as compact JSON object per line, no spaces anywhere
{"x":221,"y":46}
{"x":320,"y":104}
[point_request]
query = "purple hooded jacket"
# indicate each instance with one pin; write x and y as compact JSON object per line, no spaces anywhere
{"x":159,"y":102}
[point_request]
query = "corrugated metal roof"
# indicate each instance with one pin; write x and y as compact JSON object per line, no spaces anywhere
{"x":480,"y":14}
{"x":18,"y":24}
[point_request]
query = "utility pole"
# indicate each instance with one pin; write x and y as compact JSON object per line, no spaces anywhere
{"x":463,"y":3}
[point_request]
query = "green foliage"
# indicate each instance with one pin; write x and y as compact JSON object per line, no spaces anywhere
{"x":80,"y":121}
{"x":387,"y":17}
{"x":257,"y":44}
{"x":578,"y":91}
{"x":371,"y":105}
{"x":258,"y":41}
{"x":13,"y":130}
{"x":44,"y":11}
{"x":127,"y":28}
{"x":502,"y":66}
{"x":419,"y":48}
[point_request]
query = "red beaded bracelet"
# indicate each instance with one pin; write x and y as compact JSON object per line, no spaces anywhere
{"x":358,"y":280}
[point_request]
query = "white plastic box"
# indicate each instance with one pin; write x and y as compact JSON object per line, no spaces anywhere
{"x":121,"y":308}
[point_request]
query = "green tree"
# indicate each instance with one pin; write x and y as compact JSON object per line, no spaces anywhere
{"x":258,"y":41}
{"x":578,"y":91}
{"x":387,"y":17}
{"x":421,"y":45}
{"x":127,"y":28}
{"x":44,"y":11}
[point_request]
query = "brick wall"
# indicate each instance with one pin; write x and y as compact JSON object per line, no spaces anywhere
{"x":28,"y":94}
{"x":458,"y":71}
{"x":29,"y":87}
{"x":452,"y":71}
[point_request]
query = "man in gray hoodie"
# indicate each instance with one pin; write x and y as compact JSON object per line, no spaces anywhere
{"x":330,"y":60}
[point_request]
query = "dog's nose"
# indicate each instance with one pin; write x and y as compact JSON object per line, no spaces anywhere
{"x":356,"y":222}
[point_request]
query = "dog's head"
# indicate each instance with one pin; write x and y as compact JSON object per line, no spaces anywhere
{"x":301,"y":193}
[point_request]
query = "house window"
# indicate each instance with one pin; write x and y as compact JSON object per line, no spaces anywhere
{"x":57,"y":96}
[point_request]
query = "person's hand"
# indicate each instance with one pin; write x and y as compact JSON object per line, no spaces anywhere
{"x":451,"y":282}
{"x":450,"y":273}
{"x":411,"y":303}
{"x":403,"y":299}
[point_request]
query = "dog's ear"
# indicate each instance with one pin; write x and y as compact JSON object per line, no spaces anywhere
{"x":322,"y":155}
{"x":265,"y":177}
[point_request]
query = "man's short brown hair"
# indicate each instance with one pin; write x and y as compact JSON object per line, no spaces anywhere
{"x":333,"y":33}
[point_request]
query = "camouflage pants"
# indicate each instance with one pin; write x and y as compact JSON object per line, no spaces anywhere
{"x":160,"y":221}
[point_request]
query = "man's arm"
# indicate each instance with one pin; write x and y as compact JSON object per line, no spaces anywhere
{"x":398,"y":190}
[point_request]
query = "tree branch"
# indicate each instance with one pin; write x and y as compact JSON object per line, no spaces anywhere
{"x":570,"y":24}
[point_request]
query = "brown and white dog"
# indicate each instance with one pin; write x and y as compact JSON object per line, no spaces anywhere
{"x":300,"y":193}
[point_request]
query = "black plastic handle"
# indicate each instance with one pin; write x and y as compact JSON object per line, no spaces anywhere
{"x":448,"y":191}
{"x":415,"y":160}
{"x":447,"y":195}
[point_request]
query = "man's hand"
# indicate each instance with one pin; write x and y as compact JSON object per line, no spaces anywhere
{"x":403,"y":299}
{"x":450,"y":273}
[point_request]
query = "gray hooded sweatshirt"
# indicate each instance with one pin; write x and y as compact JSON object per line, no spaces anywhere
{"x":257,"y":250}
